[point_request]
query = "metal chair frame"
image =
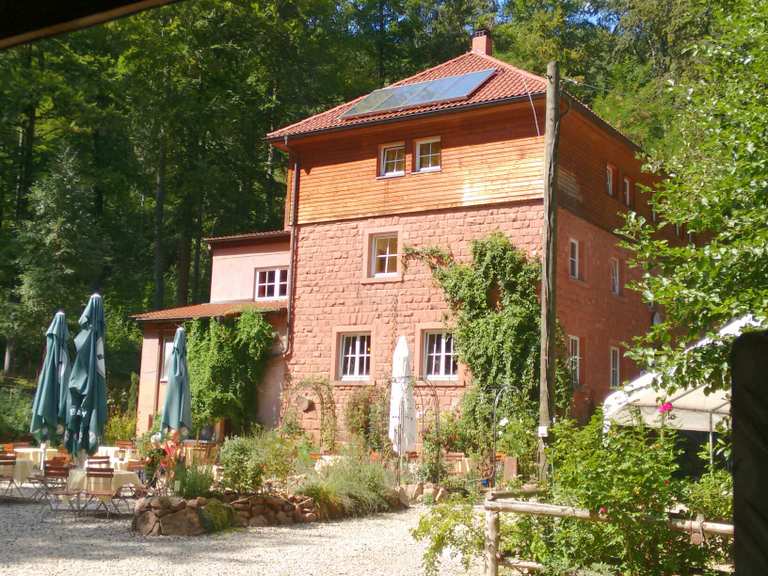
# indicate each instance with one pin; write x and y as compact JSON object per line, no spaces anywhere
{"x":7,"y":466}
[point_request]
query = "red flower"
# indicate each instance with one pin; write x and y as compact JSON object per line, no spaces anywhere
{"x":665,"y":408}
{"x":602,"y":511}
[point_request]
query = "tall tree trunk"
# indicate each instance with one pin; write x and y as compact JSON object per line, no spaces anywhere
{"x":8,"y":360}
{"x":196,"y":280}
{"x":26,"y":147}
{"x":159,"y":208}
{"x":182,"y":266}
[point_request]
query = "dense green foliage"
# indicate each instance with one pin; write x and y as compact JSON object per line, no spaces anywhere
{"x":249,"y":461}
{"x":119,"y":426}
{"x":366,"y":415}
{"x":495,"y":325}
{"x":717,"y":190}
{"x":194,"y":481}
{"x":625,"y":476}
{"x":15,"y":411}
{"x":226,"y":363}
{"x":350,"y":486}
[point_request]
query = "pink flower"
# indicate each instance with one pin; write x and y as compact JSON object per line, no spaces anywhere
{"x":602,"y":511}
{"x":665,"y":408}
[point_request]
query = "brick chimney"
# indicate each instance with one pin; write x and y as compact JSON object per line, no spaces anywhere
{"x":481,"y":42}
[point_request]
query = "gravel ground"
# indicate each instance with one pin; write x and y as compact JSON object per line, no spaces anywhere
{"x":379,"y":545}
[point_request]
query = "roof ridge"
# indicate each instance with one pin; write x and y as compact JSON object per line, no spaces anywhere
{"x":510,"y":66}
{"x":426,"y":71}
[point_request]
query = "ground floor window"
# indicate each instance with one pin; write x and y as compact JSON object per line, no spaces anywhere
{"x":440,"y":361}
{"x":355,"y":360}
{"x":615,"y":367}
{"x":167,"y":355}
{"x":574,"y":360}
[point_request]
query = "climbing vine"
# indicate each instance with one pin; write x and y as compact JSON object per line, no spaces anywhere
{"x":227,"y":358}
{"x":495,"y":322}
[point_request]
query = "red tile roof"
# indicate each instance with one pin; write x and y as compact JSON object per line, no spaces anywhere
{"x":208,"y":310}
{"x":250,"y":237}
{"x":508,"y":83}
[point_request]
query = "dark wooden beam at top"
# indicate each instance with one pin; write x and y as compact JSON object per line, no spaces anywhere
{"x":25,"y":21}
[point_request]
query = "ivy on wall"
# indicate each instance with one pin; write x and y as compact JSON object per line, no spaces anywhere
{"x":495,"y":323}
{"x":227,"y":358}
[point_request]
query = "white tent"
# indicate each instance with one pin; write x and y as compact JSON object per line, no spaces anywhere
{"x":402,"y":406}
{"x":692,"y":409}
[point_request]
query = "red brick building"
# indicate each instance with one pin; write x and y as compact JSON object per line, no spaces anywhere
{"x":404,"y":167}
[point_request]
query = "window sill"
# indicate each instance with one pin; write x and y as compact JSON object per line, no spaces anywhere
{"x":428,"y":171}
{"x":390,"y":176}
{"x":271,"y":299}
{"x":352,"y":382}
{"x":382,"y":279}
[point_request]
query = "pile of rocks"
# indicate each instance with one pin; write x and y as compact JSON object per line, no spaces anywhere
{"x":172,"y":516}
{"x":273,"y":509}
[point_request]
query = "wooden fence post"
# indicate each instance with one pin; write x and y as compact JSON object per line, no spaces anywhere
{"x":491,"y":543}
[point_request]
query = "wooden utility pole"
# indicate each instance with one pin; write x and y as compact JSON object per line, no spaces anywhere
{"x":549,"y":262}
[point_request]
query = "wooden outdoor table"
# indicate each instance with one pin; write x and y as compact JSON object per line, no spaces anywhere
{"x":34,"y":454}
{"x":77,"y":480}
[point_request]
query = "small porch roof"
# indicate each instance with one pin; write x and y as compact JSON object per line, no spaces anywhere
{"x":209,"y":310}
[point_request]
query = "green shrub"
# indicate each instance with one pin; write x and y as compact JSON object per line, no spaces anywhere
{"x":366,"y":417}
{"x":120,"y":427}
{"x":353,"y":486}
{"x":15,"y":412}
{"x":712,"y":497}
{"x":242,"y":467}
{"x":277,"y":454}
{"x":194,"y":481}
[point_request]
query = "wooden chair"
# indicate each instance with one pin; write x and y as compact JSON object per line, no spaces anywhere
{"x":98,"y":462}
{"x":125,"y":444}
{"x":22,"y":445}
{"x":98,"y":489}
{"x":56,"y":488}
{"x":6,"y":448}
{"x":7,"y":468}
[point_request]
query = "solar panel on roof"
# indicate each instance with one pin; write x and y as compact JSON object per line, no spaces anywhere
{"x":420,"y":94}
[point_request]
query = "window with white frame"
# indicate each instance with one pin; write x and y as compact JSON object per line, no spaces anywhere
{"x":615,"y":276}
{"x":271,"y":283}
{"x":393,"y":160}
{"x":615,"y":367}
{"x":574,"y":360}
{"x":627,"y":192}
{"x":428,"y":152}
{"x":573,"y":259}
{"x":440,"y":360}
{"x":355,"y":356}
{"x":383,"y":255}
{"x":609,"y":179}
{"x":167,"y":357}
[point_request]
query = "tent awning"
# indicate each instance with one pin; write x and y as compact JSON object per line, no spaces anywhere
{"x":692,"y":409}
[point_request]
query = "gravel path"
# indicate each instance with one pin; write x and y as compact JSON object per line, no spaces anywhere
{"x":379,"y":545}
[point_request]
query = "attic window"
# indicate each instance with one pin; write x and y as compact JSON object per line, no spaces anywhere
{"x":392,"y":160}
{"x":271,"y":284}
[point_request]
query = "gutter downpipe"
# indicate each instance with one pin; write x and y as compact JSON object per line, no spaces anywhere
{"x":292,"y":250}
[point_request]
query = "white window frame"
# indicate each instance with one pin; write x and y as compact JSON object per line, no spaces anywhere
{"x":615,"y":276}
{"x":609,"y":179}
{"x":388,"y":256}
{"x":574,"y":266}
{"x":358,"y":356}
{"x":615,"y":368}
{"x":417,"y":150}
{"x":443,"y":355}
{"x":166,"y":351}
{"x":383,"y":162}
{"x":627,"y":192}
{"x":274,"y":285}
{"x":574,"y":360}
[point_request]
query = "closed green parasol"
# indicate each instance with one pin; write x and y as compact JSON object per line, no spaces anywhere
{"x":49,"y":409}
{"x":87,"y":412}
{"x":177,"y":411}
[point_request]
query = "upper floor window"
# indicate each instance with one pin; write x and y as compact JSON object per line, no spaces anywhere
{"x":440,"y":361}
{"x":627,"y":192}
{"x":384,"y":255}
{"x":574,"y":265}
{"x":355,"y":359}
{"x":615,"y":367}
{"x":272,"y":283}
{"x":615,"y":276}
{"x":393,"y":160}
{"x":574,"y":360}
{"x":428,"y":152}
{"x":167,"y":356}
{"x":609,"y":179}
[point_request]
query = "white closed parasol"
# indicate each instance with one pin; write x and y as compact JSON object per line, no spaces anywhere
{"x":402,"y":407}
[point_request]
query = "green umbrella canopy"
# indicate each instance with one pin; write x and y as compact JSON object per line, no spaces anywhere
{"x":177,"y":411}
{"x":87,"y":412}
{"x":49,"y":409}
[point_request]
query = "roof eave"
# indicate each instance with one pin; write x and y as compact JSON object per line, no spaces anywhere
{"x":280,"y":141}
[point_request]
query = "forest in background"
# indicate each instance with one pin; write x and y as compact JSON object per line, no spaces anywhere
{"x":124,"y":145}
